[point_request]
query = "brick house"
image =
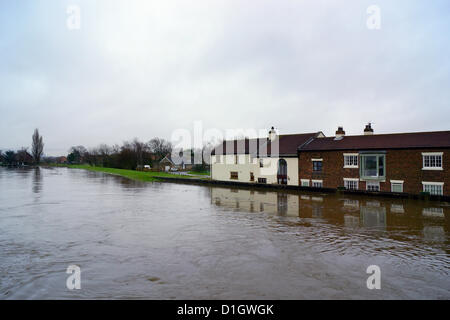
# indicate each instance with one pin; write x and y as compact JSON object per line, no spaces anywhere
{"x":401,"y":163}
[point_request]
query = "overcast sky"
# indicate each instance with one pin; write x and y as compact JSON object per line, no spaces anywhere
{"x":145,"y":68}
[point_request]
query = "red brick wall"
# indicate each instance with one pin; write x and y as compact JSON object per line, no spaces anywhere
{"x":400,"y":165}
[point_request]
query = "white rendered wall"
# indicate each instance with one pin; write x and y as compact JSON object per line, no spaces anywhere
{"x":246,"y":164}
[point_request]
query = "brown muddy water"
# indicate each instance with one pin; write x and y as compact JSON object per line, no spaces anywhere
{"x":175,"y":241}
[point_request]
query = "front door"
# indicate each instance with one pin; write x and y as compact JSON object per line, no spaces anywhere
{"x":282,"y":172}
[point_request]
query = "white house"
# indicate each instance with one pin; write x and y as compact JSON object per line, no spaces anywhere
{"x":271,"y":160}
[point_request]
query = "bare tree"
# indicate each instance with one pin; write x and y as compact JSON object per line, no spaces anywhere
{"x":139,"y":149}
{"x":37,"y":146}
{"x":160,"y":147}
{"x":23,"y":157}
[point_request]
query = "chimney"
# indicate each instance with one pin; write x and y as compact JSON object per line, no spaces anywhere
{"x":272,"y":134}
{"x":368,"y":130}
{"x":340,"y":132}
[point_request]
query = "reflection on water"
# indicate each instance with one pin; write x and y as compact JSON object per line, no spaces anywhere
{"x":404,"y":216}
{"x":37,"y":180}
{"x":178,"y":241}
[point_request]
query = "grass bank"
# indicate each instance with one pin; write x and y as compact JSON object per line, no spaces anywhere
{"x":147,"y":176}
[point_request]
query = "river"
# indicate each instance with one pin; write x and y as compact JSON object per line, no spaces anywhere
{"x":136,"y":240}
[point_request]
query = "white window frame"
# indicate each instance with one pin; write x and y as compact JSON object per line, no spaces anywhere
{"x":306,"y":181}
{"x":432,"y":154}
{"x":317,"y":181}
{"x":428,"y":183}
{"x":352,"y":180}
{"x":396,"y":182}
{"x":351,"y":155}
{"x":373,"y":183}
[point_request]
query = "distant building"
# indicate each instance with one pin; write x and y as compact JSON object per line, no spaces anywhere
{"x":61,"y":160}
{"x":24,"y":158}
{"x":166,"y":164}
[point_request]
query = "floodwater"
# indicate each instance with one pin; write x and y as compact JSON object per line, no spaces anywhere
{"x":176,"y":241}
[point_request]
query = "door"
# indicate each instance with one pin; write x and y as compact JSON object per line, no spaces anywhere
{"x":282,"y":172}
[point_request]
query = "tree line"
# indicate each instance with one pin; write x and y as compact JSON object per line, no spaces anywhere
{"x":135,"y":154}
{"x":22,"y":156}
{"x":130,"y":155}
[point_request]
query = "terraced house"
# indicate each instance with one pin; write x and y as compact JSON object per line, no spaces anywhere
{"x":400,"y":163}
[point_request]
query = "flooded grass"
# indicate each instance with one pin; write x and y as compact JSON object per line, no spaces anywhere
{"x":145,"y":176}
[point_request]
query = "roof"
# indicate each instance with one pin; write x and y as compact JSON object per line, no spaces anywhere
{"x":166,"y":159}
{"x":287,"y":144}
{"x":240,"y":146}
{"x":436,"y":139}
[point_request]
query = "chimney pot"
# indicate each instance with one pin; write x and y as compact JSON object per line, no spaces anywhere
{"x":340,"y":132}
{"x":272,"y":134}
{"x":368,"y":129}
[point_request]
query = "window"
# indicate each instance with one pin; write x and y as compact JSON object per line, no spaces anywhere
{"x":351,"y":203}
{"x":433,"y":212}
{"x":262,"y":180}
{"x":396,"y":186}
{"x":434,"y":188}
{"x":304,"y":182}
{"x":350,"y":160}
{"x":317,"y":165}
{"x":252,"y":176}
{"x":233,"y":175}
{"x":372,"y":186}
{"x":432,"y":161}
{"x":373,"y":166}
{"x":317,"y":183}
{"x":397,"y":208}
{"x":351,"y":184}
{"x":261,"y":163}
